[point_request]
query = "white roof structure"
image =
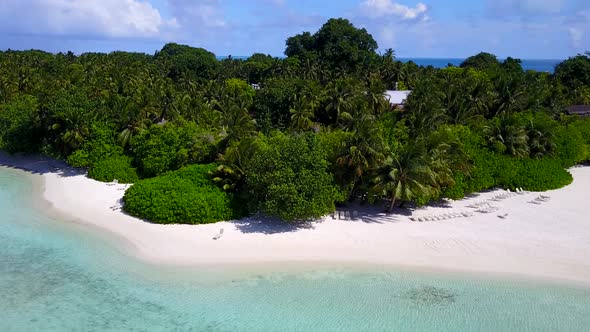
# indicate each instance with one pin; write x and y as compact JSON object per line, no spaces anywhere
{"x":397,"y":97}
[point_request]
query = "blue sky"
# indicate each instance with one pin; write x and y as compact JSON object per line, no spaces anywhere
{"x":542,"y":29}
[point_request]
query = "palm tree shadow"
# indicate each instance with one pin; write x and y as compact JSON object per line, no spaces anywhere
{"x":269,"y":226}
{"x":39,"y":165}
{"x":372,"y":214}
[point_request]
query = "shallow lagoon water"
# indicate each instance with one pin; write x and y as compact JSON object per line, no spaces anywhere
{"x":61,"y":276}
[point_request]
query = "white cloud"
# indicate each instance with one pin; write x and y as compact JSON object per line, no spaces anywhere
{"x":200,"y":13}
{"x":389,"y":8}
{"x":506,"y":8}
{"x":576,"y":36}
{"x":103,"y":18}
{"x":387,"y":35}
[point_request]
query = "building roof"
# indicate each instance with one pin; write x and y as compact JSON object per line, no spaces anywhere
{"x":397,"y":97}
{"x":581,"y":110}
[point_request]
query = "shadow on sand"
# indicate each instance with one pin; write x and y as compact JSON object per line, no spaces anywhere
{"x":349,"y":214}
{"x":265,"y":225}
{"x":38,"y":164}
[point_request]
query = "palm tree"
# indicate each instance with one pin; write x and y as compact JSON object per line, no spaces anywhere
{"x":406,"y":175}
{"x":506,"y":135}
{"x":132,"y":118}
{"x":375,"y":95}
{"x":541,"y":139}
{"x":233,"y":168}
{"x":510,"y":96}
{"x":7,"y":88}
{"x":338,"y":98}
{"x":360,"y":153}
{"x":236,"y":122}
{"x":424,"y":108}
{"x":302,"y":114}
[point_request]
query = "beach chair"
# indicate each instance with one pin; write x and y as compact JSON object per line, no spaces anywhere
{"x":216,"y":237}
{"x":542,"y":199}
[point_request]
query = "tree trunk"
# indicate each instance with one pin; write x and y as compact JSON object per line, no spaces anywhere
{"x":352,"y":191}
{"x":391,"y":205}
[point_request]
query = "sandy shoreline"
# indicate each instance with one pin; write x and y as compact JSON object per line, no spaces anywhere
{"x":549,"y":241}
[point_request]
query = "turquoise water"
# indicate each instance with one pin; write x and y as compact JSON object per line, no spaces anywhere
{"x":57,"y":276}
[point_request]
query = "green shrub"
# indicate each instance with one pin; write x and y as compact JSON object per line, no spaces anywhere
{"x":163,"y":148}
{"x":492,"y":170}
{"x":19,"y":125}
{"x":532,"y":174}
{"x":100,"y":145}
{"x":289,"y":178}
{"x":457,"y":190}
{"x":109,"y":169}
{"x":571,"y":146}
{"x":186,"y":196}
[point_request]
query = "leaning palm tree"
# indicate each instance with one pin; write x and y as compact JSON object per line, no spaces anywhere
{"x":406,"y":175}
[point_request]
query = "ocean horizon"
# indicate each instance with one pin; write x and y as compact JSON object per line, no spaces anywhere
{"x":540,"y":65}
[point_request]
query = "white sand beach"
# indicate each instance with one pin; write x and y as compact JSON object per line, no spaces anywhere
{"x":550,"y":240}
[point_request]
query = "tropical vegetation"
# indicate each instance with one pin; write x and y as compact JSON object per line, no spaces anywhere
{"x":205,"y":140}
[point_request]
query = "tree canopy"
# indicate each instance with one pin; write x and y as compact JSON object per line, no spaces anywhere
{"x":206,"y":140}
{"x":338,"y":43}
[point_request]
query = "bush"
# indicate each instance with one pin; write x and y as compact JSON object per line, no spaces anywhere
{"x":100,"y":145}
{"x":168,"y":147}
{"x":491,"y":170}
{"x":186,"y":196}
{"x":289,"y":178}
{"x":109,"y":169}
{"x":532,"y":174}
{"x":19,"y":125}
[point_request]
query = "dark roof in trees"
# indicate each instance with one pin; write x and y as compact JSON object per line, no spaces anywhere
{"x":581,"y":110}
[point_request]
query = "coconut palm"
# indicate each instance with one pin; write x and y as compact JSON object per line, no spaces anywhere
{"x":233,"y":168}
{"x":540,"y":139}
{"x":302,"y":113}
{"x":236,"y":122}
{"x":338,"y":98}
{"x":360,"y":153}
{"x":506,"y":135}
{"x":406,"y":175}
{"x":375,"y":95}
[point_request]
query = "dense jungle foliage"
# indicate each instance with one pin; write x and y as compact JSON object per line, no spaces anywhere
{"x":206,"y":140}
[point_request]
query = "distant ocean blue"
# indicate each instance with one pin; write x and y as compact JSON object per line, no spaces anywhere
{"x":543,"y":65}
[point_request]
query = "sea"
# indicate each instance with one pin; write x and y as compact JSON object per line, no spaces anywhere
{"x":541,"y":65}
{"x":59,"y":275}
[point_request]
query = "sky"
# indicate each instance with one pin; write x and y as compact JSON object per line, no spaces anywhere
{"x":527,"y":29}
